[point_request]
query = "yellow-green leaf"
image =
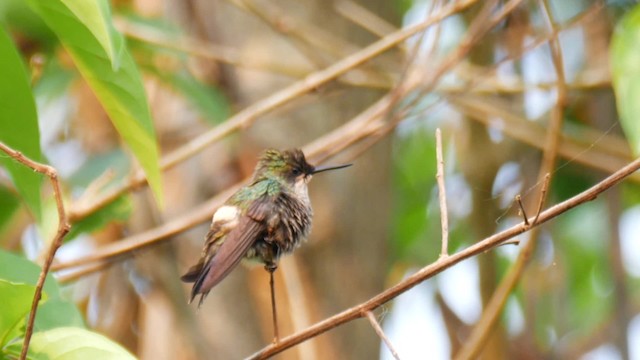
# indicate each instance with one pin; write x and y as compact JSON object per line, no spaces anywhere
{"x":625,"y":65}
{"x":96,"y":15}
{"x":16,"y":303}
{"x":70,"y":343}
{"x":119,"y":90}
{"x":19,"y":123}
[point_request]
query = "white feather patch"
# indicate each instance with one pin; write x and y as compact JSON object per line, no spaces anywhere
{"x":226,"y":213}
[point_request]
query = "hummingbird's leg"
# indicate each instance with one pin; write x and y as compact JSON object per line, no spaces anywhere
{"x":271,"y":268}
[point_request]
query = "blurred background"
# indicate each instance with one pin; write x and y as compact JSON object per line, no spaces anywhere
{"x":501,"y":81}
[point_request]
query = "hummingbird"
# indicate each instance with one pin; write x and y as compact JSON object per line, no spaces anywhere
{"x":261,"y":221}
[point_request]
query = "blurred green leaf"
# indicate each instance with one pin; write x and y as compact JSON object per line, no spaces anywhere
{"x":17,"y":16}
{"x":581,"y":238}
{"x":119,"y":90}
{"x":69,"y":343}
{"x":19,"y":123}
{"x":118,"y":210}
{"x":210,"y":101}
{"x":9,"y":203}
{"x":625,"y":65}
{"x":53,"y":81}
{"x":17,"y":269}
{"x":116,"y":161}
{"x":569,"y":180}
{"x":16,"y":303}
{"x":414,"y":181}
{"x":56,"y":311}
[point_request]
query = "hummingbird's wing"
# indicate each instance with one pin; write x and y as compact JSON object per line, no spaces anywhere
{"x":235,"y":244}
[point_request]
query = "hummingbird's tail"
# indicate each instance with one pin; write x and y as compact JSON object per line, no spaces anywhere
{"x":192,"y":274}
{"x":196,"y":275}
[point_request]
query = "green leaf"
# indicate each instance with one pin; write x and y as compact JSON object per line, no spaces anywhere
{"x":118,"y":210}
{"x":56,"y":311}
{"x":16,"y":15}
{"x":16,"y":303}
{"x":581,"y":242}
{"x":53,"y":82}
{"x":9,"y":203}
{"x":95,"y":16}
{"x":210,"y":101}
{"x":19,"y":123}
{"x":119,"y":90}
{"x":68,"y":343}
{"x":17,"y":269}
{"x":625,"y":64}
{"x":414,"y":181}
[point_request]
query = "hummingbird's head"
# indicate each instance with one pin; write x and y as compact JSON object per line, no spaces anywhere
{"x":289,"y":165}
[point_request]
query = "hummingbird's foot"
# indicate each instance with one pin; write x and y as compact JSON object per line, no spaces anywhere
{"x":275,"y":341}
{"x":271,"y":267}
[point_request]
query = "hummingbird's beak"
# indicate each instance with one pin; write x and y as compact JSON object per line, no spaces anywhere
{"x":327,"y":168}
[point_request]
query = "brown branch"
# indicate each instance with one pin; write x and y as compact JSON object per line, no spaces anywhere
{"x":601,"y":155}
{"x":376,"y":326}
{"x":523,"y":212}
{"x":203,"y":49}
{"x":63,"y":229}
{"x":442,"y":196}
{"x":363,"y":17}
{"x":247,"y":116}
{"x":444,"y":263}
{"x":543,"y":195}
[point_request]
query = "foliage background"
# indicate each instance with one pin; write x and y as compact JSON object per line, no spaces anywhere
{"x":198,"y":62}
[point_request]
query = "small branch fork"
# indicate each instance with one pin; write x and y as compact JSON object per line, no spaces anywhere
{"x":63,"y":229}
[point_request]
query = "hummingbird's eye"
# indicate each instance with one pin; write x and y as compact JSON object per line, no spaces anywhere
{"x":296,"y":171}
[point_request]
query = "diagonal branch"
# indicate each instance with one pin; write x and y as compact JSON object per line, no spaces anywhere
{"x":445,"y":263}
{"x":63,"y":229}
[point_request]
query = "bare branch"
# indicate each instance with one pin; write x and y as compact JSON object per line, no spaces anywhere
{"x":442,"y":196}
{"x":361,"y":16}
{"x":376,"y":326}
{"x":63,"y":229}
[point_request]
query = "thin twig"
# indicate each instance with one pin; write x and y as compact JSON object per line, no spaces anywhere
{"x":543,"y":195}
{"x":376,"y":326}
{"x":444,"y":263}
{"x":442,"y":196}
{"x":63,"y":229}
{"x":522,"y":211}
